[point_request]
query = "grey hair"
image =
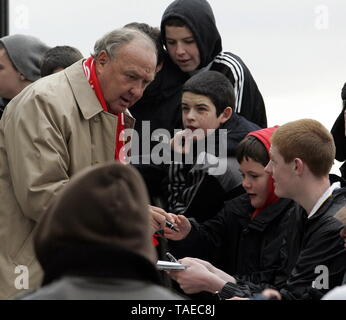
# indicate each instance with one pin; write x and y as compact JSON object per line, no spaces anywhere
{"x":113,"y":40}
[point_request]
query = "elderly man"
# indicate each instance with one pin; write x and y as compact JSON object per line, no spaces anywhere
{"x":54,"y":129}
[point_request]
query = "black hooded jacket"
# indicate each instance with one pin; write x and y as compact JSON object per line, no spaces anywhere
{"x":199,"y":17}
{"x":200,"y":195}
{"x":261,"y":251}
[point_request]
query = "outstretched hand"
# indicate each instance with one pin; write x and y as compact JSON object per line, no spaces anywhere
{"x":158,"y":218}
{"x":183,"y":226}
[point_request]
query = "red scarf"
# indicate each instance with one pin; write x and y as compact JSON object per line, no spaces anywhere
{"x":90,"y":73}
{"x":264,"y":136}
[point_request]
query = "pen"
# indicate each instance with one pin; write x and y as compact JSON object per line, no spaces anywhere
{"x":171,"y":226}
{"x":171,"y":257}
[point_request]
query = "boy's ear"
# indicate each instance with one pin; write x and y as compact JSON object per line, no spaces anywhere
{"x":226,"y":114}
{"x":298,"y":166}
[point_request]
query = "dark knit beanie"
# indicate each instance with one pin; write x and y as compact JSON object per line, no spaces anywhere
{"x":104,"y":206}
{"x":26,"y":53}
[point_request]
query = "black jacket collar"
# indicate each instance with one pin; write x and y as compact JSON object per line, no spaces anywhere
{"x":261,"y":221}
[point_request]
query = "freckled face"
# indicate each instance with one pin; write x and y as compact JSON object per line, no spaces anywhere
{"x":199,"y":112}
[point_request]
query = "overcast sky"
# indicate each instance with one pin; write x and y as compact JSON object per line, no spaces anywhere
{"x":295,"y":49}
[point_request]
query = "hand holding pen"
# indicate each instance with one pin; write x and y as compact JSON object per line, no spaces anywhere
{"x":160,"y":219}
{"x":171,"y":226}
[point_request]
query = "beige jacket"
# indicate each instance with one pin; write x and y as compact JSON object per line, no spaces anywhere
{"x":50,"y":131}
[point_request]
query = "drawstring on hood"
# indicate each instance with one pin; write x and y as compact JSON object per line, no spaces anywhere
{"x":199,"y":17}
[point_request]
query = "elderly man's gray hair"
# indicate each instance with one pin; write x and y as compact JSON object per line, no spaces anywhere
{"x":113,"y":40}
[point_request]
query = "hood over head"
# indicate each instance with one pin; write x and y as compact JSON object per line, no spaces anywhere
{"x":26,"y":53}
{"x":103,"y":209}
{"x":264,"y":135}
{"x":199,"y":17}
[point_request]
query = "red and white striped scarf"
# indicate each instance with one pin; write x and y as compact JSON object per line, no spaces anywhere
{"x":90,"y":73}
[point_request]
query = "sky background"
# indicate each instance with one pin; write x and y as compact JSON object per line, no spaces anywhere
{"x":294,"y":49}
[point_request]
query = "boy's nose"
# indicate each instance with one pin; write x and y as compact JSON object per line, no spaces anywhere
{"x":246,"y":184}
{"x":180,"y":49}
{"x":190,"y":116}
{"x":267,"y":169}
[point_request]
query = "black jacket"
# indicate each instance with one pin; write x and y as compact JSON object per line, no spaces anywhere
{"x":321,"y":246}
{"x":262,"y":250}
{"x":338,"y":132}
{"x":199,"y":17}
{"x":194,"y":191}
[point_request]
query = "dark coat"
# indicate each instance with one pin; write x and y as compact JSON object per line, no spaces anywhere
{"x":194,"y":191}
{"x":262,"y":250}
{"x":321,"y":246}
{"x":338,"y":132}
{"x":199,"y":17}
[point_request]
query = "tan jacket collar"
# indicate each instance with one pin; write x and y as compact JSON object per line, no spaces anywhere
{"x":85,"y":96}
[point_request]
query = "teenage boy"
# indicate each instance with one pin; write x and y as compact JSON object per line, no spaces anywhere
{"x":193,"y":42}
{"x":302,"y":154}
{"x":20,"y":61}
{"x":255,"y":237}
{"x":199,"y":187}
{"x":59,"y":58}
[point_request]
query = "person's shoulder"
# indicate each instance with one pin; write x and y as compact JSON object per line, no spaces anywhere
{"x":44,"y":89}
{"x":239,"y":123}
{"x":42,"y":96}
{"x":240,"y":203}
{"x":229,"y":57}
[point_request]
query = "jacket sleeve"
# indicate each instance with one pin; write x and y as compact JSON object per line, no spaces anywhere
{"x":338,"y":132}
{"x":320,"y":267}
{"x":37,"y":154}
{"x":249,"y":100}
{"x":275,"y":277}
{"x":205,"y":241}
